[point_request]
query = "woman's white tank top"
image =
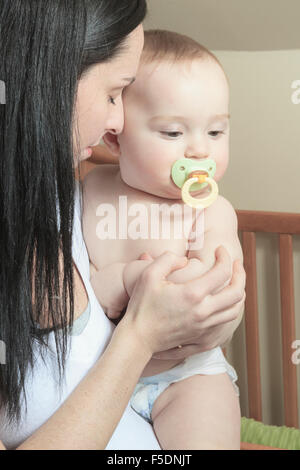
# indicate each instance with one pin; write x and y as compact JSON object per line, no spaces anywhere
{"x":43,"y":394}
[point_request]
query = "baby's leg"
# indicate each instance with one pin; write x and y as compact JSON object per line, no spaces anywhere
{"x":199,"y":412}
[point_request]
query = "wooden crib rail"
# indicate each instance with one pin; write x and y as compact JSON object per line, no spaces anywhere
{"x":285,"y":225}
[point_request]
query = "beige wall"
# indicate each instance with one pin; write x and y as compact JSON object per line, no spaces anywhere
{"x":264,"y":172}
{"x":264,"y":169}
{"x":231,"y":25}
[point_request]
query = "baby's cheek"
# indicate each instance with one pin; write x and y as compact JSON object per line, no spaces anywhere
{"x":221,"y":166}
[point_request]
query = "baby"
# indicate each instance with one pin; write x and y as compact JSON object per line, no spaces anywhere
{"x":176,"y":109}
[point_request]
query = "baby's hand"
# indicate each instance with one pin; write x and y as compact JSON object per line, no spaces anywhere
{"x":115,"y":296}
{"x":133,"y":270}
{"x":194,"y":269}
{"x":108,"y":286}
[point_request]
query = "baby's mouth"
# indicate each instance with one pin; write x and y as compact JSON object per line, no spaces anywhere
{"x":195,"y":178}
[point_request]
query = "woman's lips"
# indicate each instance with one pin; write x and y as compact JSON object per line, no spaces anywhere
{"x":87,"y":152}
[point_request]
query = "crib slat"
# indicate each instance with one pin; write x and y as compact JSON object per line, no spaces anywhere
{"x":251,"y":323}
{"x":288,"y":329}
{"x":268,"y":222}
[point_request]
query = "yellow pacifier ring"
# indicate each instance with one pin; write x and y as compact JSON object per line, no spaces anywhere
{"x":199,"y":203}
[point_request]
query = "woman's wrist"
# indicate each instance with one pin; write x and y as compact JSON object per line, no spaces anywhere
{"x":126,"y":333}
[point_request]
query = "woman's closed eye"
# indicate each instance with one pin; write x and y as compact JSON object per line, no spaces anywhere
{"x":111,"y":100}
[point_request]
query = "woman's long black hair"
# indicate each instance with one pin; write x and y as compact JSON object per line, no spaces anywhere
{"x":46,"y":46}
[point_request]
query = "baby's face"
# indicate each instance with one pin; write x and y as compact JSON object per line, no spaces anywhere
{"x":172,"y":112}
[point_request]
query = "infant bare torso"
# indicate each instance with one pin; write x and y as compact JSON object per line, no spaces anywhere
{"x":121,"y":223}
{"x":125,"y":222}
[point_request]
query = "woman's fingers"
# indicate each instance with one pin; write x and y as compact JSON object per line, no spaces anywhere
{"x":184,"y":313}
{"x":199,"y":288}
{"x":226,"y":305}
{"x":178,"y":353}
{"x":238,"y":273}
{"x":224,"y":316}
{"x":231,"y":294}
{"x":163,"y":265}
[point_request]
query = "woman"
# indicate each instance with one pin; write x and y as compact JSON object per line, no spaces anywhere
{"x":64,"y":64}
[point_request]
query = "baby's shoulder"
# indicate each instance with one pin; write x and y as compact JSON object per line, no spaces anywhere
{"x":223,"y":203}
{"x":220,"y":212}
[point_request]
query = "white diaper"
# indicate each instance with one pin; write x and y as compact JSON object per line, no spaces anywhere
{"x":147,"y":390}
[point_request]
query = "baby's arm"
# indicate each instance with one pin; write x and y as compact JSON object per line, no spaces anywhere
{"x":220,"y":229}
{"x":220,"y":223}
{"x":108,"y":286}
{"x":114,"y":283}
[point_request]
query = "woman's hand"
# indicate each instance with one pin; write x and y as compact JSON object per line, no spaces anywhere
{"x":165,"y":315}
{"x":218,"y":334}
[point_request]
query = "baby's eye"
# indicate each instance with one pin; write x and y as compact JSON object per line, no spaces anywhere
{"x":215,"y":133}
{"x":171,"y":134}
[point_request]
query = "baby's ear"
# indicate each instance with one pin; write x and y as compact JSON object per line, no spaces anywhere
{"x":111,"y":140}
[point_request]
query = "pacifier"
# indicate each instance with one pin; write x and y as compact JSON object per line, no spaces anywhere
{"x":193,"y":176}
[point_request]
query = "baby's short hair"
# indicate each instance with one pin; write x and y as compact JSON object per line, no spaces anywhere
{"x":161,"y":45}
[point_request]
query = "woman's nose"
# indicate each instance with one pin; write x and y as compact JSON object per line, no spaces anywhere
{"x":115,"y":123}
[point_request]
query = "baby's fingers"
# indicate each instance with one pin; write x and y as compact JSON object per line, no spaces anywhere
{"x":162,"y":266}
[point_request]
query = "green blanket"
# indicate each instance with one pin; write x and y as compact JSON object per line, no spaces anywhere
{"x":283,"y":437}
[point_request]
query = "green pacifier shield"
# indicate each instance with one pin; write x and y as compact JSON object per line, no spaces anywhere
{"x":183,"y":167}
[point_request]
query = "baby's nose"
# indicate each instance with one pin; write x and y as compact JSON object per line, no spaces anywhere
{"x":197,"y":155}
{"x":198,"y":151}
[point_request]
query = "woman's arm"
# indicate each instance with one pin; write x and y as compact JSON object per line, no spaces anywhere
{"x":89,"y":416}
{"x":160,"y":315}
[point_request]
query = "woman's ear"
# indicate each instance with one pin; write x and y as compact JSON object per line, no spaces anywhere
{"x":111,"y":141}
